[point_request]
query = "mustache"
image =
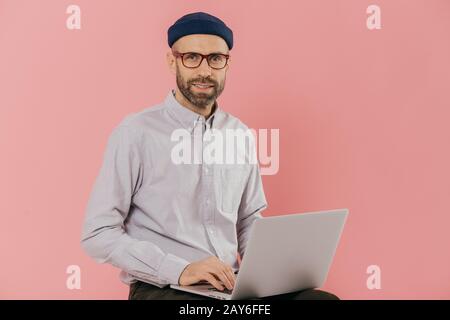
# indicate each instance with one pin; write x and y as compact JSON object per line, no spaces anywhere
{"x":203,"y":81}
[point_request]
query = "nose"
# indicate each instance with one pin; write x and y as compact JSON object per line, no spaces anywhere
{"x":204,"y":69}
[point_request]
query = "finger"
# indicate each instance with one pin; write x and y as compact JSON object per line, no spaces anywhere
{"x":213,"y":281}
{"x":229,"y":276}
{"x":228,"y":282}
{"x":220,"y":274}
{"x":218,"y":269}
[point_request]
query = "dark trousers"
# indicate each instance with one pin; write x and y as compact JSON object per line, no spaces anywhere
{"x":144,"y":291}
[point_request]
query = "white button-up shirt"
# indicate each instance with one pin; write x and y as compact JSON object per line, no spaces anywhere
{"x":151,"y":216}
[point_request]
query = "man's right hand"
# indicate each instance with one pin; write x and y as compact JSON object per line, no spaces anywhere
{"x":211,"y":270}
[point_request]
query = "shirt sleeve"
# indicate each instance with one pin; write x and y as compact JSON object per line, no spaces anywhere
{"x":253,"y":202}
{"x":103,"y":235}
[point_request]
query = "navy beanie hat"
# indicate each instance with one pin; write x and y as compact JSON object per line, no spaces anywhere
{"x":199,"y":23}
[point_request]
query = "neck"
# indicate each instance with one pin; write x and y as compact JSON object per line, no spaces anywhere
{"x":206,"y":112}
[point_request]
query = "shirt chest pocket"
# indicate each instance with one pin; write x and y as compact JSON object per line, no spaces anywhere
{"x":232,"y":186}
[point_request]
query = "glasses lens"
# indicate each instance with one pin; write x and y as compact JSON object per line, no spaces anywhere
{"x":217,"y":61}
{"x":192,"y":60}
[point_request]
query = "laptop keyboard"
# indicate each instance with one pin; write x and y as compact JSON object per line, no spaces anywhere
{"x":226,"y":291}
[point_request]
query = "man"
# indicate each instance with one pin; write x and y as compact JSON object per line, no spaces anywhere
{"x":164,"y":221}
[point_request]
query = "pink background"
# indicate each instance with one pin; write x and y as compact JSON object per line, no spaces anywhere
{"x":363,"y":118}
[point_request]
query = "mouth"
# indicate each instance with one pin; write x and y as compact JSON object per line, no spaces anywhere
{"x":202,"y":86}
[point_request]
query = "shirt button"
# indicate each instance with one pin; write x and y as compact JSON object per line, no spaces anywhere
{"x":206,"y":170}
{"x":211,"y":231}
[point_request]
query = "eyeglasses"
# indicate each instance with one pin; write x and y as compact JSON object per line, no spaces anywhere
{"x":193,"y":60}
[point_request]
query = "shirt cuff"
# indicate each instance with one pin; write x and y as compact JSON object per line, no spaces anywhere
{"x":171,"y":268}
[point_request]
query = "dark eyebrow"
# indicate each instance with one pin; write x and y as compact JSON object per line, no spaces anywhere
{"x":219,"y":53}
{"x":216,"y":52}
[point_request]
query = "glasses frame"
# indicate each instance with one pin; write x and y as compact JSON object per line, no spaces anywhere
{"x":204,"y":56}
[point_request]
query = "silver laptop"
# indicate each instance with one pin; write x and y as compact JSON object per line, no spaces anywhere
{"x":284,"y":254}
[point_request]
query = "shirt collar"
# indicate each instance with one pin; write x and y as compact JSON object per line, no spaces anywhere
{"x":185,"y":116}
